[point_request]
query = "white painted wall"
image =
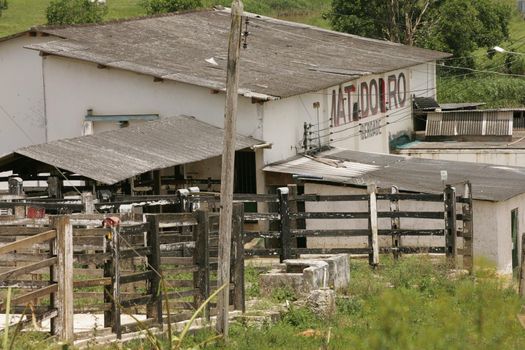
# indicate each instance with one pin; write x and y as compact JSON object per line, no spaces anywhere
{"x":514,"y":157}
{"x":22,"y":114}
{"x":73,"y":87}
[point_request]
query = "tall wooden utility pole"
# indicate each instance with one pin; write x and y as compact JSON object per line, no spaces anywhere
{"x":228,"y":162}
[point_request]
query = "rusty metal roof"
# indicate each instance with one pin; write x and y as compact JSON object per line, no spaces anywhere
{"x":489,"y":182}
{"x":282,"y":59}
{"x":113,"y":156}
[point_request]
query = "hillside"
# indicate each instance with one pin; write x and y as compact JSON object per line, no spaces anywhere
{"x":22,"y":14}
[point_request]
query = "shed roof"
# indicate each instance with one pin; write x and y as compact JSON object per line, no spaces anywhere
{"x":283,"y":58}
{"x":489,"y":182}
{"x":113,"y":156}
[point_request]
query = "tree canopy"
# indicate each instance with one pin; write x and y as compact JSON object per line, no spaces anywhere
{"x":455,"y":26}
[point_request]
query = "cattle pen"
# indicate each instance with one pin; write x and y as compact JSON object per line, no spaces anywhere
{"x":148,"y":270}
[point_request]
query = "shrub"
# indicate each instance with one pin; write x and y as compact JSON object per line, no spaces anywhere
{"x":75,"y":12}
{"x":165,"y":6}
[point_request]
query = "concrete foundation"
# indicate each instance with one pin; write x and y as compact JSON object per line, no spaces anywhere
{"x":305,"y":275}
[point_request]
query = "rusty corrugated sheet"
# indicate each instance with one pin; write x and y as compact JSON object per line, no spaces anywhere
{"x":283,"y":58}
{"x":114,"y":156}
{"x":489,"y":182}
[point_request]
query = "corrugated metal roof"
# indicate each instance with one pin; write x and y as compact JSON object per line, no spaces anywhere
{"x":283,"y":58}
{"x":469,"y":123}
{"x":489,"y":182}
{"x":114,"y":156}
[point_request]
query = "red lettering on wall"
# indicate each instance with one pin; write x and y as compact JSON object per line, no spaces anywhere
{"x":364,"y":101}
{"x":373,"y":97}
{"x":382,"y":94}
{"x":402,"y":93}
{"x":349,"y":90}
{"x":392,"y":91}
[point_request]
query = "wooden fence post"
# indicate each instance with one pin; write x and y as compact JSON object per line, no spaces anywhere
{"x":284,"y":212}
{"x":292,"y":209}
{"x":468,"y":229}
{"x":154,"y":308}
{"x":201,"y":278}
{"x":88,"y":202}
{"x":450,"y":224}
{"x":395,"y":225}
{"x":237,"y":267}
{"x":63,"y":299}
{"x":373,"y":239}
{"x":522,"y":268}
{"x":112,"y":292}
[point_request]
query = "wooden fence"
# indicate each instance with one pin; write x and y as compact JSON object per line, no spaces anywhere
{"x":162,"y":268}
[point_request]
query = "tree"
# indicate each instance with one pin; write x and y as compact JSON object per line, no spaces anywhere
{"x":75,"y":12}
{"x":3,"y":6}
{"x":394,"y":20}
{"x":165,"y":6}
{"x":456,"y":26}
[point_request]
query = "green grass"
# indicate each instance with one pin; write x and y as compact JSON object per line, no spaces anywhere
{"x":410,"y":305}
{"x":23,"y":14}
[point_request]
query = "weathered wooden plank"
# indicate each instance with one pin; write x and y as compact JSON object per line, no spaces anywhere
{"x":28,"y":242}
{"x":332,"y":198}
{"x":420,"y":197}
{"x":439,"y":215}
{"x":79,"y":232}
{"x":103,"y":281}
{"x":19,"y":231}
{"x":142,"y":300}
{"x":98,"y":258}
{"x":262,"y":216}
{"x":237,"y":266}
{"x":133,"y":229}
{"x":134,"y":252}
{"x":63,"y":298}
{"x":24,"y":284}
{"x":28,"y":268}
{"x":177,"y":260}
{"x":136,"y":277}
{"x":363,"y":232}
{"x":373,"y":239}
{"x":201,"y":278}
{"x":266,"y":234}
{"x":285,"y":237}
{"x":333,"y":250}
{"x":331,"y":215}
{"x":181,"y":269}
{"x":23,"y":299}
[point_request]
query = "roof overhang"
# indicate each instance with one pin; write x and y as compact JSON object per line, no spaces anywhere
{"x":113,"y":156}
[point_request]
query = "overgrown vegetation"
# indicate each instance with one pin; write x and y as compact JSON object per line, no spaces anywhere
{"x":496,"y":91}
{"x":414,"y":304}
{"x":75,"y":12}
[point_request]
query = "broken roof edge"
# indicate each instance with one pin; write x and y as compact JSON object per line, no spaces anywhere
{"x":376,"y":176}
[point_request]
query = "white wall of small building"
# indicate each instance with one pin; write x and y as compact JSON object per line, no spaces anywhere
{"x":22,"y":112}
